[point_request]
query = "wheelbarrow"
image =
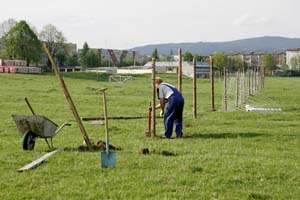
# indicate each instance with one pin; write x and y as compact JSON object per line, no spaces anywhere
{"x":35,"y":126}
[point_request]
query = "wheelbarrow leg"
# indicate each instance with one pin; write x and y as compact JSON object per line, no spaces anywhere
{"x":51,"y":143}
{"x":48,"y":142}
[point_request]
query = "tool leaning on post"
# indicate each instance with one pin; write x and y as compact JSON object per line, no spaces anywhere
{"x":108,"y":158}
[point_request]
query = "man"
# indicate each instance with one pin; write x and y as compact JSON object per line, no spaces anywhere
{"x":171,"y":105}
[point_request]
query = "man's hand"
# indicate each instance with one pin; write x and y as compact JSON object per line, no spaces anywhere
{"x":161,"y":114}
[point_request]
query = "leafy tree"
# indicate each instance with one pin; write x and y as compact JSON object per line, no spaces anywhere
{"x":236,"y":63}
{"x":6,"y":26}
{"x":166,"y":58}
{"x":53,"y":38}
{"x":21,"y":43}
{"x":284,"y":66}
{"x":92,"y":59}
{"x":199,"y":58}
{"x":72,"y":61}
{"x":188,"y":56}
{"x":61,"y":57}
{"x":82,"y":56}
{"x":295,"y":62}
{"x":127,"y":61}
{"x":269,"y":62}
{"x":220,"y":61}
{"x":155,"y":54}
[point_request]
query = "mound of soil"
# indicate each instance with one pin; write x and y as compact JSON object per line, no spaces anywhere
{"x":146,"y":151}
{"x":100,"y":146}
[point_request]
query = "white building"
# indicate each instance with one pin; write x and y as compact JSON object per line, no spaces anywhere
{"x":202,"y":70}
{"x":290,"y":53}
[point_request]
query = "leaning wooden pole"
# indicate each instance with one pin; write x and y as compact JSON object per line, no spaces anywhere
{"x":180,"y":70}
{"x":153,"y":125}
{"x":69,"y":99}
{"x":194,"y":88}
{"x":212,"y":81}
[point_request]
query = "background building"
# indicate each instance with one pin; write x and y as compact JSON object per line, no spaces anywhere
{"x":118,"y":58}
{"x":290,"y":54}
{"x":255,"y":59}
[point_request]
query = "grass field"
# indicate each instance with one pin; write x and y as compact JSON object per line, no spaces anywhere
{"x":234,"y":155}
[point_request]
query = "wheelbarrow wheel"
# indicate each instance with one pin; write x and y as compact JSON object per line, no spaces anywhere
{"x":28,"y":140}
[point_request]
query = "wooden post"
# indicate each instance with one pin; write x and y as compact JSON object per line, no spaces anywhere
{"x":153,"y":125}
{"x":237,"y":88}
{"x":225,"y":90}
{"x":252,"y":84}
{"x":249,"y":82}
{"x":195,"y":88}
{"x":69,"y":99}
{"x":244,"y":87}
{"x":212,"y":81}
{"x":262,"y":77}
{"x":180,"y":71}
{"x":254,"y":71}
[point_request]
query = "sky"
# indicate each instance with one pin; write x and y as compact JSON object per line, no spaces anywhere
{"x":121,"y":24}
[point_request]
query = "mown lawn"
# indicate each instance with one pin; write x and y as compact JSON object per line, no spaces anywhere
{"x":234,"y":155}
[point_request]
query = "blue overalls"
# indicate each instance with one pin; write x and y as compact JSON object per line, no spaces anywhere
{"x":173,"y":113}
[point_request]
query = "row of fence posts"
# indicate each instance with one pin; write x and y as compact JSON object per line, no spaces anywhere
{"x":238,"y":86}
{"x":246,"y":83}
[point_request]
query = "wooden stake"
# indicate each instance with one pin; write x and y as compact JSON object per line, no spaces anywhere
{"x":225,"y":90}
{"x":212,"y":81}
{"x":237,"y":88}
{"x":180,"y":71}
{"x":195,"y":88}
{"x":153,"y":125}
{"x":253,"y":84}
{"x":263,"y":77}
{"x":244,"y":85}
{"x":69,"y":99}
{"x":249,"y":82}
{"x":255,"y":79}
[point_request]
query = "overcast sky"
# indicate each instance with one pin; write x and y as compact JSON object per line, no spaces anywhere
{"x":129,"y":23}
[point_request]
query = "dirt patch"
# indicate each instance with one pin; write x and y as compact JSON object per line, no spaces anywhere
{"x":100,"y":146}
{"x":146,"y":151}
{"x":188,"y":125}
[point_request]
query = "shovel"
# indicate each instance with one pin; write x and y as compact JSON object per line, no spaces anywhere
{"x":108,"y":158}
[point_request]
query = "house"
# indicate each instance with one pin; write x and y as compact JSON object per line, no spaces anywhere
{"x":291,"y":53}
{"x":202,"y":70}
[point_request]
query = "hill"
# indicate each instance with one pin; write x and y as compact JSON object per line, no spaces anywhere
{"x":259,"y":44}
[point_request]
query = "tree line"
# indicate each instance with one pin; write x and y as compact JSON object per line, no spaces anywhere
{"x":20,"y":40}
{"x":187,"y":56}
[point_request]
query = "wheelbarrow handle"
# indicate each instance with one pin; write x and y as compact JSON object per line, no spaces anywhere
{"x":61,"y":127}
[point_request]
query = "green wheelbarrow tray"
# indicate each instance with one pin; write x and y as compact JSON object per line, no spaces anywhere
{"x":35,"y":126}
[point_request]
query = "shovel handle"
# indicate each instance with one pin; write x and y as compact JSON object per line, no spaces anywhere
{"x":105,"y":121}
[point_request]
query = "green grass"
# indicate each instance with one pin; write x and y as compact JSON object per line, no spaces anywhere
{"x":234,"y":155}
